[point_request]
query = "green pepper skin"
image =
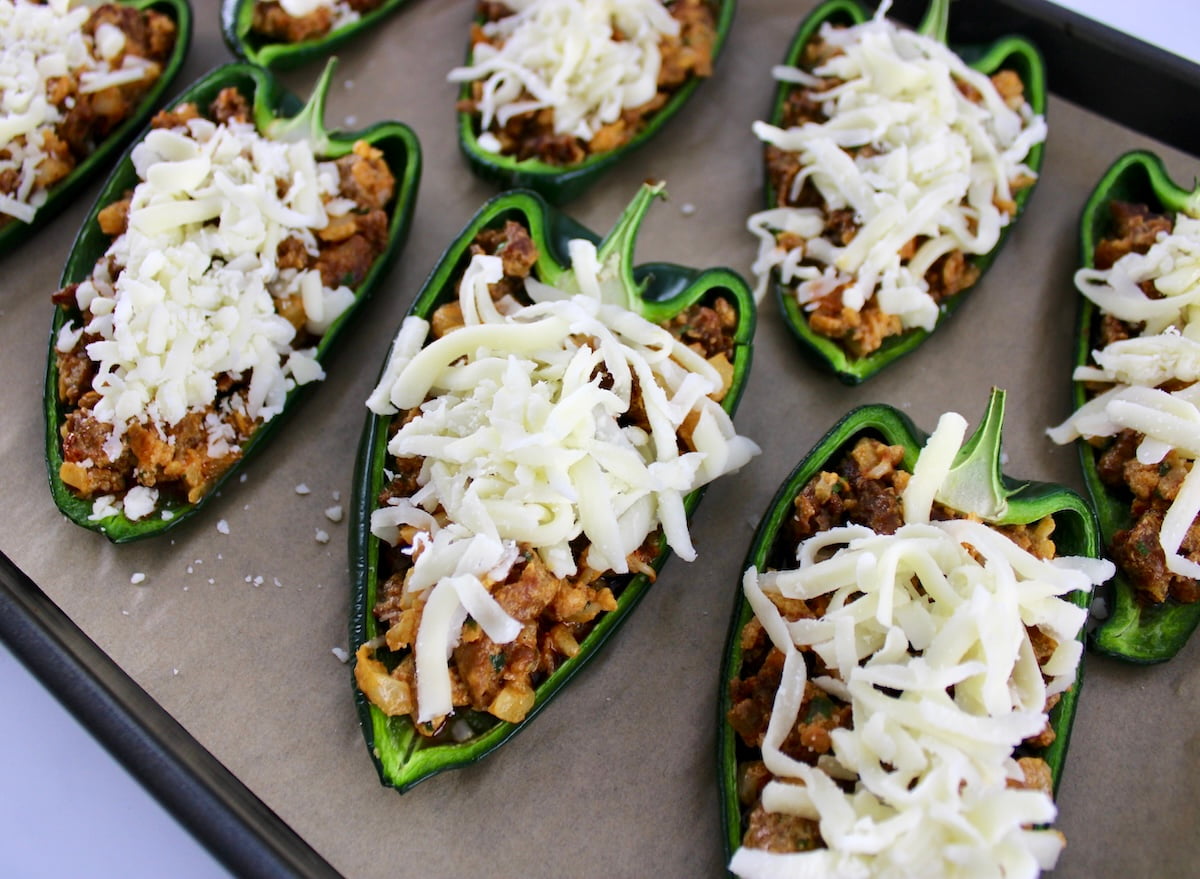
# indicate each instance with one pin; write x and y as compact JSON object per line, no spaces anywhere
{"x":1133,"y":631}
{"x":402,"y":756}
{"x":560,"y":184}
{"x":65,"y":191}
{"x":1075,"y":533}
{"x":270,"y":101}
{"x":237,"y":16}
{"x":1015,"y":53}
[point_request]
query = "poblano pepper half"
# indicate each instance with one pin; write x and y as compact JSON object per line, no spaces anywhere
{"x":63,"y":193}
{"x":975,"y":482}
{"x":278,"y":115}
{"x":237,"y":27}
{"x":562,"y":183}
{"x":1134,"y":630}
{"x":656,"y":291}
{"x":1010,"y":53}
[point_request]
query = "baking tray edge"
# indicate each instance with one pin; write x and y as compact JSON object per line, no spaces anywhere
{"x":1103,"y":70}
{"x":240,"y":830}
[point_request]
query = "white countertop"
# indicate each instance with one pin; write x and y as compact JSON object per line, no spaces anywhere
{"x":68,"y":809}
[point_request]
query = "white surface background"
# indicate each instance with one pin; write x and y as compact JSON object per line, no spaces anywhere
{"x":68,"y":809}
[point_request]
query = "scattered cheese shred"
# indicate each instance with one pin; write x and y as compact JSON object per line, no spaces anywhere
{"x":586,"y":61}
{"x":517,"y":426}
{"x":925,"y":636}
{"x":1167,"y":350}
{"x":909,"y":154}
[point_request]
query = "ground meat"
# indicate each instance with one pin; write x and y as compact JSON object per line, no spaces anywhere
{"x":229,"y":106}
{"x":272,"y":22}
{"x":531,"y":135}
{"x":861,"y":331}
{"x":778,"y":832}
{"x":863,"y":487}
{"x":1134,"y":228}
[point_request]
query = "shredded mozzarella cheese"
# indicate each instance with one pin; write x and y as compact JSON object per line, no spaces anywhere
{"x":937,"y":165}
{"x":925,"y":636}
{"x":1166,"y":350}
{"x":586,"y":61}
{"x":517,"y":428}
{"x":39,"y":42}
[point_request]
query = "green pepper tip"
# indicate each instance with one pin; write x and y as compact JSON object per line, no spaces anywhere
{"x":936,"y":22}
{"x":309,"y":123}
{"x":974,"y":483}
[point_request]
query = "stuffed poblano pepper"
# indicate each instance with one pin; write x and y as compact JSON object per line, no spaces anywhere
{"x":544,"y":425}
{"x":1138,"y":404}
{"x":80,"y":81}
{"x":902,"y":665}
{"x":281,"y":34}
{"x":222,"y":260}
{"x":894,"y":170}
{"x":555,"y":92}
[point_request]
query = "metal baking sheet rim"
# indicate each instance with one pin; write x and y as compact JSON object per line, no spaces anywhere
{"x":1088,"y":63}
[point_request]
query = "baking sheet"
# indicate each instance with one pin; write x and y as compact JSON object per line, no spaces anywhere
{"x":232,"y":633}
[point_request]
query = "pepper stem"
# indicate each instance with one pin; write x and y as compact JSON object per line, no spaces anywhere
{"x":936,"y":23}
{"x":974,"y":483}
{"x":615,"y":253}
{"x":1191,"y":205}
{"x":309,"y":123}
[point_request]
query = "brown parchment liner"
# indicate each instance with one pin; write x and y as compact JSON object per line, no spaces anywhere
{"x":616,"y":777}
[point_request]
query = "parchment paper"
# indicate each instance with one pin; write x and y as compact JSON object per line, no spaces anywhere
{"x":615,"y":778}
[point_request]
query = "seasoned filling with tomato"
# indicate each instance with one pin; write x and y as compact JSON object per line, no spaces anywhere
{"x":296,"y":21}
{"x":1144,"y":410}
{"x":891,"y":703}
{"x":893,"y":164}
{"x":562,"y":80}
{"x":230,"y":259}
{"x":539,"y":455}
{"x":68,"y":77}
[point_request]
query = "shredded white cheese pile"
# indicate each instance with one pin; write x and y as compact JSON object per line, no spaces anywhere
{"x":587,"y":61}
{"x":935,"y":606}
{"x":38,"y":43}
{"x":1167,"y":349}
{"x":937,"y":164}
{"x":521,"y":443}
{"x":196,"y":296}
{"x":343,"y":13}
